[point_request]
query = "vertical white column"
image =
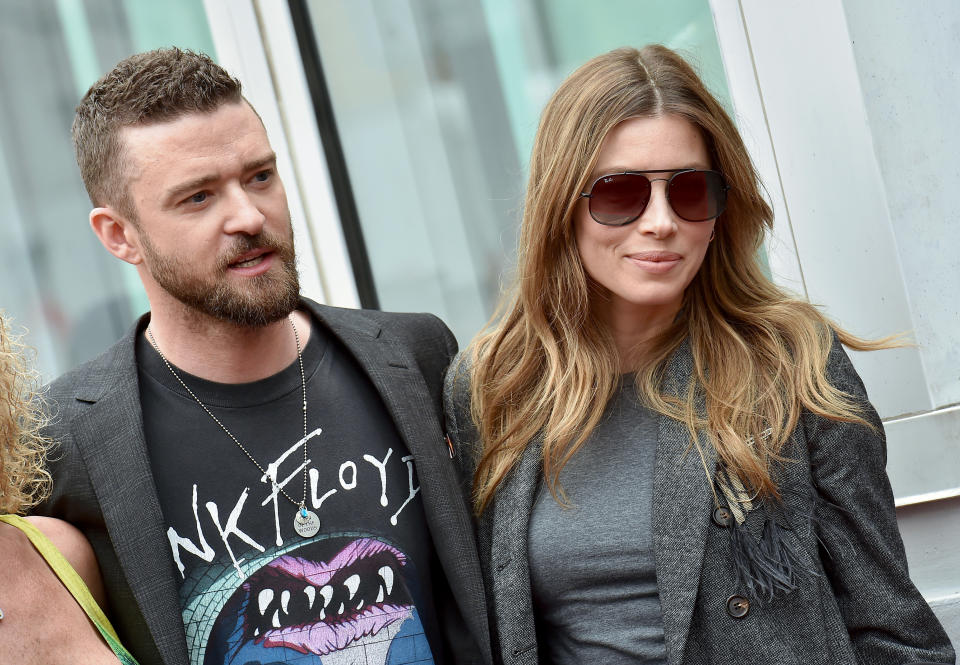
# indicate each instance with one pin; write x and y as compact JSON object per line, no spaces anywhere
{"x":751,"y":119}
{"x":265,"y":59}
{"x":812,"y":107}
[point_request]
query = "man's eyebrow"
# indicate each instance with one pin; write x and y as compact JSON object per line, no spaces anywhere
{"x":267,"y":160}
{"x":174,"y":195}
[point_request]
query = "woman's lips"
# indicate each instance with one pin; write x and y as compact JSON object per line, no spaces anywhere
{"x":657,"y":262}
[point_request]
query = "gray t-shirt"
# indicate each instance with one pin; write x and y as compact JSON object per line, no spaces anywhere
{"x":592,"y":566}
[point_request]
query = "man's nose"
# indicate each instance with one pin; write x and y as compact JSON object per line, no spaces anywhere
{"x":243,"y":214}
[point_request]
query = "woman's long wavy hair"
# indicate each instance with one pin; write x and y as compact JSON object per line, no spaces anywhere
{"x":545,"y":365}
{"x":24,"y":480}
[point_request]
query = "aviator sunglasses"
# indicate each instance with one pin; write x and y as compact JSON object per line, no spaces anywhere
{"x":617,"y":199}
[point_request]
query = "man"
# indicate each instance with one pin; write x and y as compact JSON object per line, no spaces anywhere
{"x":263,"y":479}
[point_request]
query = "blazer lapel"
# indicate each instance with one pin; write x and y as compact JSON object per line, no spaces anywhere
{"x":395,"y":374}
{"x":682,"y":489}
{"x":110,"y":438}
{"x":508,"y":548}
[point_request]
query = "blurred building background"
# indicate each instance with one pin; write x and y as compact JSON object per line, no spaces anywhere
{"x":403,"y":129}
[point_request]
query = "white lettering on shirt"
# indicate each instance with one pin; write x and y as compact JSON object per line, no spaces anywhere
{"x":408,"y":459}
{"x":232,"y":529}
{"x":382,"y":468}
{"x":177,"y":541}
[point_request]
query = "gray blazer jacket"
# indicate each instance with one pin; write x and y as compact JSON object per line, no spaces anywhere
{"x":854,"y":602}
{"x":103,"y":482}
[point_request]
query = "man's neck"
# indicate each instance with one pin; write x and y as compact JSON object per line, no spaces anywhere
{"x":224,"y":352}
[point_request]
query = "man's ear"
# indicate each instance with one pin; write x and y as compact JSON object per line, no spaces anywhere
{"x":117,"y":233}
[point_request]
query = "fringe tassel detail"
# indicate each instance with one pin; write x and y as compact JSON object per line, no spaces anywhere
{"x":770,"y":567}
{"x":767,"y":568}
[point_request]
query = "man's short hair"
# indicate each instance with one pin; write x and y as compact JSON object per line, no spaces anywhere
{"x":151,"y":87}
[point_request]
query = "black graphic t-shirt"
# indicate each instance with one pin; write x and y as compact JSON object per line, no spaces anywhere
{"x":253,"y":590}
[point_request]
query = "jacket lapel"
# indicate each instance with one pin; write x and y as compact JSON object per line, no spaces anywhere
{"x":680,"y":522}
{"x":109,"y":435}
{"x":682,"y":489}
{"x":396,"y":376}
{"x":511,"y":511}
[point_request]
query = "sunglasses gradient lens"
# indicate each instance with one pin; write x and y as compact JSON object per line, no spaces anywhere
{"x":619,"y":198}
{"x":697,"y":196}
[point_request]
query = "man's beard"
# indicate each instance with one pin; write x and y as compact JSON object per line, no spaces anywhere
{"x":262,"y":299}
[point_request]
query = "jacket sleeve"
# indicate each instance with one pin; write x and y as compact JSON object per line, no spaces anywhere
{"x":459,"y":423}
{"x":887,"y":619}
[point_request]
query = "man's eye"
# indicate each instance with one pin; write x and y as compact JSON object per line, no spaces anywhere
{"x":199,"y":197}
{"x":263,"y":176}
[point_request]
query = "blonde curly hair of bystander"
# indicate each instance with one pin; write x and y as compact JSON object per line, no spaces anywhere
{"x":24,"y":479}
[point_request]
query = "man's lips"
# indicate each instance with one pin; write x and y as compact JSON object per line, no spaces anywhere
{"x":253,"y":262}
{"x":657,"y":262}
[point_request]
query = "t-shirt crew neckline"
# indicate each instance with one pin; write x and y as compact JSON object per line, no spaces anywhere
{"x":235,"y":395}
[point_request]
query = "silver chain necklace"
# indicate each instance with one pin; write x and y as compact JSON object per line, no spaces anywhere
{"x":305,"y":522}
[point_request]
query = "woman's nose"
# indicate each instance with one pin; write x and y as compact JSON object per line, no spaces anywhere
{"x":658,"y":218}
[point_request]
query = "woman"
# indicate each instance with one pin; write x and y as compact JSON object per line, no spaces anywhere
{"x":50,"y":586}
{"x":670,"y":459}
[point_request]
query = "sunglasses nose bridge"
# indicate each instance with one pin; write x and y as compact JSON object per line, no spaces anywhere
{"x":664,"y":191}
{"x":658,"y":216}
{"x":665,"y":188}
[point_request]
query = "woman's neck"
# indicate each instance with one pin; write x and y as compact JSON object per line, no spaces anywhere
{"x":634,"y":327}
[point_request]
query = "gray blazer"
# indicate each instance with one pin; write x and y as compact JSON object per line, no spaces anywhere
{"x":103,"y":483}
{"x":854,"y":603}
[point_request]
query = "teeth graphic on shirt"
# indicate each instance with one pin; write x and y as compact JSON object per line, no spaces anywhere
{"x":352,"y":583}
{"x":263,"y":599}
{"x":359,"y":582}
{"x":327,"y":593}
{"x":386,"y":574}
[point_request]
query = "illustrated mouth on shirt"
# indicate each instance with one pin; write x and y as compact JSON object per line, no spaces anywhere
{"x":323,"y":607}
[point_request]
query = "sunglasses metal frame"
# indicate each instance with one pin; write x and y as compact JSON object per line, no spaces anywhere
{"x":723,"y":204}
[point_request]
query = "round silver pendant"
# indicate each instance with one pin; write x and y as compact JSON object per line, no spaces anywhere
{"x":306,"y":523}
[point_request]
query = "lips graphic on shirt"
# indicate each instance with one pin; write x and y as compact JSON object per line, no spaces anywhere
{"x":321,"y":607}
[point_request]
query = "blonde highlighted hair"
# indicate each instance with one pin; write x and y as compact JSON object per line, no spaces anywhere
{"x":24,"y":480}
{"x":546,"y":366}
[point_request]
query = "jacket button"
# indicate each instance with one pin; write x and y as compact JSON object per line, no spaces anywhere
{"x":737,"y":606}
{"x":722,"y":517}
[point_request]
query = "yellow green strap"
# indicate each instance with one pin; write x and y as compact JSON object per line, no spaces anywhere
{"x":74,"y":584}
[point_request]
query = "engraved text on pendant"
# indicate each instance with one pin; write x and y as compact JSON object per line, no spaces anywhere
{"x":306,"y":526}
